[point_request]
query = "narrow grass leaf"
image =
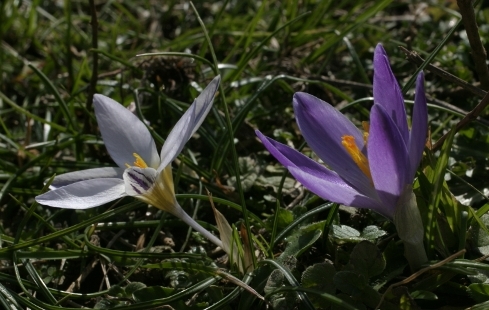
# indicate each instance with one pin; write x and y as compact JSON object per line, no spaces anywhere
{"x":437,"y":182}
{"x":37,"y":279}
{"x":428,"y":59}
{"x":359,"y":21}
{"x":54,"y":91}
{"x":29,"y":114}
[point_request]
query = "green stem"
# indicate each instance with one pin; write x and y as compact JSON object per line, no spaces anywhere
{"x":181,"y":214}
{"x":410,"y":228}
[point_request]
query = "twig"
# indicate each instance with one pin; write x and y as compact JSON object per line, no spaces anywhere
{"x":414,"y":57}
{"x":342,"y":82}
{"x":455,"y":109}
{"x":418,"y":273}
{"x":239,"y":283}
{"x":478,"y":52}
{"x":472,"y":115}
{"x":93,"y":79}
{"x":106,"y":276}
{"x":75,"y":285}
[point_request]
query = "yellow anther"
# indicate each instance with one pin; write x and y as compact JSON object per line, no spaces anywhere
{"x":356,"y":154}
{"x":366,"y":128}
{"x":139,"y":162}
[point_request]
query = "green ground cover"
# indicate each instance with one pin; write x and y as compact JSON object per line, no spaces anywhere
{"x":308,"y":253}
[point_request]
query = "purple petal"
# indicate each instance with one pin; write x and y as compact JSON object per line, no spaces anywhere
{"x":188,"y":124}
{"x":123,"y":133}
{"x":320,"y":180}
{"x":337,"y":192}
{"x":387,"y":92}
{"x":84,"y":194}
{"x":77,"y":176}
{"x":388,"y":157}
{"x":323,"y":128}
{"x":417,"y":138}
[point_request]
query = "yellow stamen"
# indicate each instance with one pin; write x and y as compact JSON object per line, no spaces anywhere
{"x":357,"y":155}
{"x":366,"y":128}
{"x":139,"y":162}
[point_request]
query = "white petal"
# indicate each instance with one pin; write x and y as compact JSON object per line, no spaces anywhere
{"x":123,"y":133}
{"x":77,"y":176}
{"x":188,"y":124}
{"x":84,"y":194}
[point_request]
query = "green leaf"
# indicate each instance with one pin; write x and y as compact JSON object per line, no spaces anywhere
{"x":134,"y":286}
{"x":284,"y":218}
{"x":299,"y":242}
{"x":437,"y":179}
{"x":348,"y":299}
{"x":275,"y":280}
{"x":478,"y":237}
{"x":350,"y":282}
{"x":319,"y":277}
{"x":482,"y":276}
{"x":356,"y":286}
{"x":344,"y":234}
{"x":479,"y":291}
{"x":106,"y":304}
{"x":178,"y":278}
{"x":395,"y":263}
{"x":152,"y":292}
{"x":426,"y":295}
{"x":481,"y":306}
{"x":366,"y":259}
{"x":116,"y":291}
{"x":280,"y":300}
{"x":157,"y":292}
{"x":372,"y":233}
{"x":274,"y":182}
{"x":249,"y":173}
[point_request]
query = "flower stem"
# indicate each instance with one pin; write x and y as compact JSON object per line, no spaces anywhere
{"x":180,"y":213}
{"x":410,"y":228}
{"x":415,"y":254}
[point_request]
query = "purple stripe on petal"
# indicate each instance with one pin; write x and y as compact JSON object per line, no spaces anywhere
{"x":388,"y":157}
{"x":138,"y":181}
{"x":387,"y":92}
{"x":417,"y":138}
{"x":136,"y":189}
{"x":149,"y":179}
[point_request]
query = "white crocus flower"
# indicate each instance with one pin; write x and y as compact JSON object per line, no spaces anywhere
{"x":142,"y":173}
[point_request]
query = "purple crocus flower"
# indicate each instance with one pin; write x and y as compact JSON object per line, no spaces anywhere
{"x":369,"y":169}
